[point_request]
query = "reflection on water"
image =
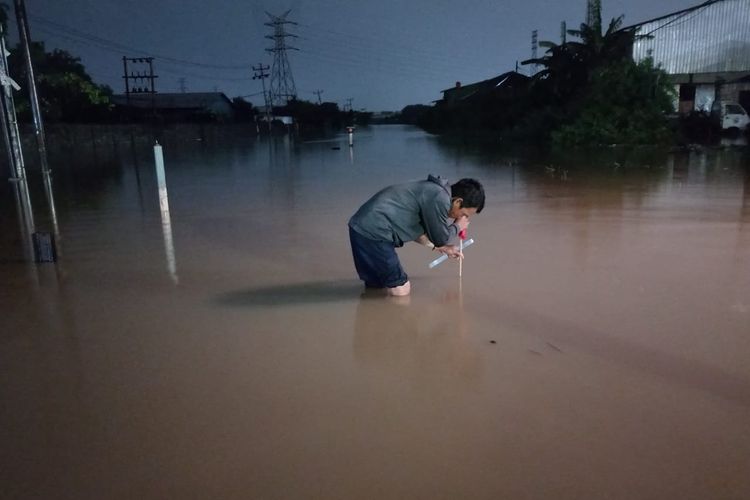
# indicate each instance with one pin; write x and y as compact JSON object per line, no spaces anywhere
{"x":423,"y":346}
{"x":600,"y":326}
{"x":25,"y":214}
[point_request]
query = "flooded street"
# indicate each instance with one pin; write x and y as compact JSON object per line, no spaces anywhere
{"x":597,"y":346}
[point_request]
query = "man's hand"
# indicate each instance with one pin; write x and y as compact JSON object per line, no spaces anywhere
{"x":451,"y":251}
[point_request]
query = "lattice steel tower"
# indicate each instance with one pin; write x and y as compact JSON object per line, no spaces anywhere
{"x":282,"y":82}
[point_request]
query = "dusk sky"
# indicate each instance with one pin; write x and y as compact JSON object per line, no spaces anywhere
{"x":382,"y":54}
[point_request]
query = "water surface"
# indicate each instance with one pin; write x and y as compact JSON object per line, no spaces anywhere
{"x":597,"y":346}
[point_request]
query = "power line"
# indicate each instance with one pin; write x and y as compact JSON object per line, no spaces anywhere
{"x":251,"y":95}
{"x":171,"y":71}
{"x":358,"y":43}
{"x":347,"y":49}
{"x":406,"y":62}
{"x":415,"y":61}
{"x":674,"y":22}
{"x":392,"y":67}
{"x":116,"y":45}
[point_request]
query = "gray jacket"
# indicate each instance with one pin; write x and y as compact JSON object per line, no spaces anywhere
{"x":403,"y":212}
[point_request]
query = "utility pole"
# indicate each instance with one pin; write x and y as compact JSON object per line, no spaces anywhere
{"x":534,"y":47}
{"x":282,"y":81}
{"x":144,"y":76}
{"x":144,"y":79}
{"x":349,"y":104}
{"x":563,"y":33}
{"x":317,"y":93}
{"x":24,"y":35}
{"x":182,"y":81}
{"x":260,"y":74}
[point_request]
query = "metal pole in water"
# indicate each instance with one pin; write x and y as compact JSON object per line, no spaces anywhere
{"x":24,"y":36}
{"x":12,"y":139}
{"x":25,"y":39}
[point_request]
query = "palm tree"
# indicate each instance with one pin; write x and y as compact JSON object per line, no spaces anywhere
{"x":569,"y":66}
{"x":562,"y":70}
{"x":596,"y":48}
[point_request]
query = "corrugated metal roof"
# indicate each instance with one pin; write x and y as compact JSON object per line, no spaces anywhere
{"x":673,"y":14}
{"x":709,"y":38}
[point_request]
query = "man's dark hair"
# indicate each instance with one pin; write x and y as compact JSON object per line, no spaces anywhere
{"x":471,"y":191}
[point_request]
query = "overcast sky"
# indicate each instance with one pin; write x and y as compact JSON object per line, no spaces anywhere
{"x":383,"y":54}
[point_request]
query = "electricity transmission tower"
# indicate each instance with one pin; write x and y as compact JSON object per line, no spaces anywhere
{"x":282,"y":82}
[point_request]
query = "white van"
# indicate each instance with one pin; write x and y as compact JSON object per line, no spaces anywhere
{"x":730,"y":115}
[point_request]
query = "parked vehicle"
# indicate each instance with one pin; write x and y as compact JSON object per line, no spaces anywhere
{"x":730,"y":115}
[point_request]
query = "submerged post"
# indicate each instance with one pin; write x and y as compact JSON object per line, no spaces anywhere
{"x":161,"y":179}
{"x":166,"y":220}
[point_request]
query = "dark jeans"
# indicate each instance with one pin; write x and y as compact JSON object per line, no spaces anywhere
{"x":376,"y":262}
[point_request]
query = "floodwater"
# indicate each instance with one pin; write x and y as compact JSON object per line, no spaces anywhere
{"x":598,"y":345}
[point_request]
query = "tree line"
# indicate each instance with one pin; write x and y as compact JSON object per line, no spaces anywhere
{"x":589,"y":91}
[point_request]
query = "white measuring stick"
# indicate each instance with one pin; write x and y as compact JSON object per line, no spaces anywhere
{"x":444,"y":257}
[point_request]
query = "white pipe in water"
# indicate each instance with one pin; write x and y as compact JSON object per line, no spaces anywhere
{"x":444,"y":257}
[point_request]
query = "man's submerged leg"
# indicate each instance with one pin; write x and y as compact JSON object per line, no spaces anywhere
{"x":400,"y":291}
{"x":378,"y":265}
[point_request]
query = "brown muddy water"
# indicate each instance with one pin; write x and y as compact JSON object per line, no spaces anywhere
{"x":598,"y":345}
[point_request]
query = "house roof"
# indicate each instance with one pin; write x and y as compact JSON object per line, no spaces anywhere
{"x":490,"y":82}
{"x":182,"y":100}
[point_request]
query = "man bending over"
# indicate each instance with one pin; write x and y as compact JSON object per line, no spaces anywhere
{"x":429,"y":212}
